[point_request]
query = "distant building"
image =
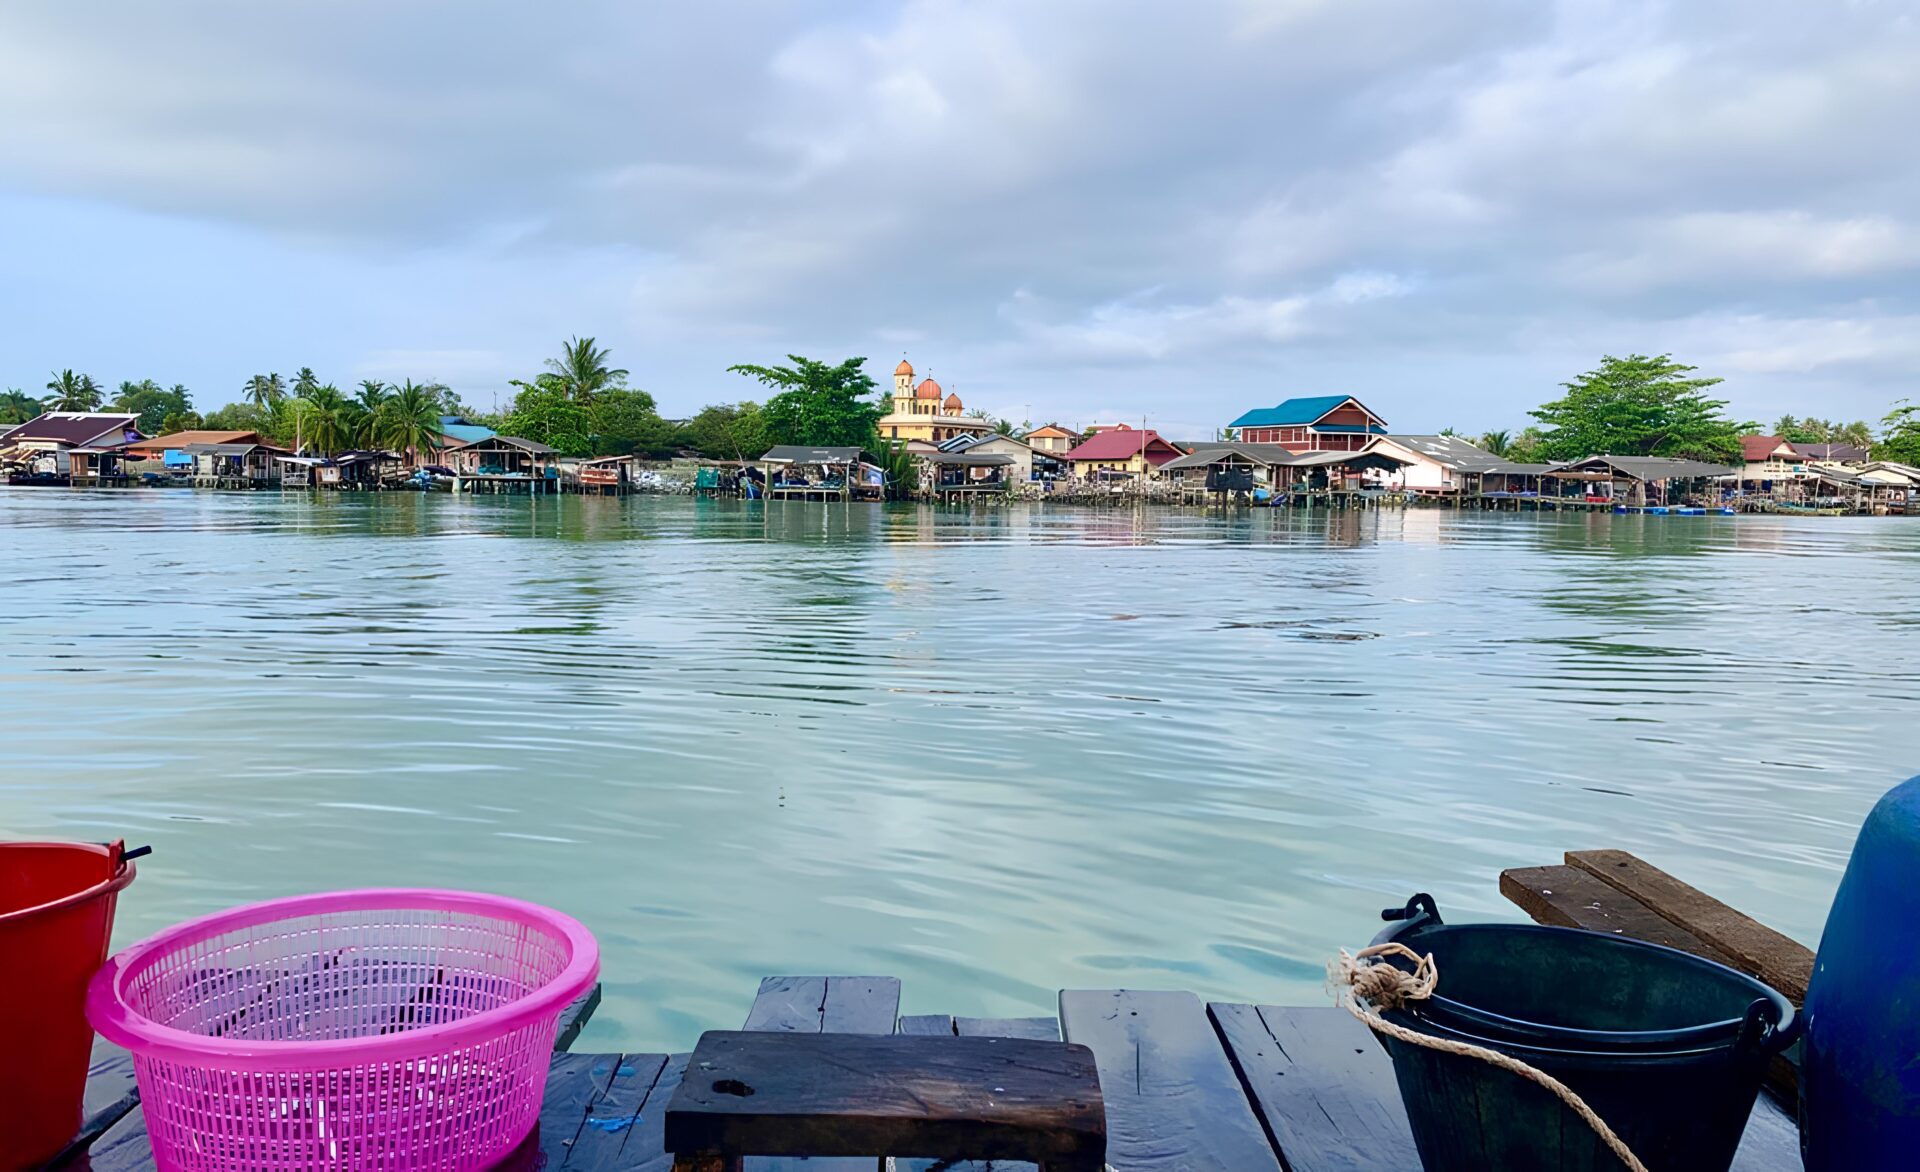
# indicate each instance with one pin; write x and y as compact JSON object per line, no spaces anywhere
{"x":1121,"y":449}
{"x":82,"y":445}
{"x":1322,"y":423}
{"x":1768,"y":458}
{"x":920,"y":413}
{"x":1441,"y":465}
{"x":1849,"y":454}
{"x":458,"y":429}
{"x":1051,"y":439}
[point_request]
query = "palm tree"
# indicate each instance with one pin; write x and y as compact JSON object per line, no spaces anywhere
{"x":1785,"y":425}
{"x":71,"y":392}
{"x":410,"y":421}
{"x":1497,"y":442}
{"x":264,"y":390}
{"x":305,"y":383}
{"x":324,"y":418}
{"x":16,"y":406}
{"x":582,"y":370}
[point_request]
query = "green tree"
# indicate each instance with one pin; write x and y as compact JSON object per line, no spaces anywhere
{"x":409,"y":421}
{"x":305,"y":383}
{"x":68,"y":391}
{"x":582,"y":371}
{"x":818,"y":404}
{"x":1005,"y":427}
{"x":626,"y":422}
{"x":1529,"y":447}
{"x":1497,"y":442}
{"x":326,"y":421}
{"x":264,"y":390}
{"x":544,"y":412}
{"x":241,"y":417}
{"x":16,"y":406}
{"x":1900,"y":434}
{"x":152,"y":403}
{"x":186,"y":420}
{"x":1639,"y":406}
{"x":729,"y":431}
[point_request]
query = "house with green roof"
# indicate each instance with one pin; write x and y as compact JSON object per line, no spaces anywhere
{"x":1317,"y":423}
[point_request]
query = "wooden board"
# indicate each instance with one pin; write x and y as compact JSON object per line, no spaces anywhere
{"x":1568,"y":897}
{"x":811,"y":1005}
{"x":1040,"y":1028}
{"x":1322,"y":1084}
{"x":1174,"y":1103}
{"x":1780,"y":961}
{"x":829,"y":1094}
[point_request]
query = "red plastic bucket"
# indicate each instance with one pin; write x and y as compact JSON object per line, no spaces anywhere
{"x":56,"y":915}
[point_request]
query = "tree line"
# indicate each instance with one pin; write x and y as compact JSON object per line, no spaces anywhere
{"x":581,"y":405}
{"x":1655,"y":406}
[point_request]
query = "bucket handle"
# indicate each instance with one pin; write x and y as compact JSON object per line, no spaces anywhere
{"x":1759,"y":1027}
{"x":1420,"y":905}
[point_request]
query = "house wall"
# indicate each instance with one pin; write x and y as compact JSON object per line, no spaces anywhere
{"x":1022,"y":467}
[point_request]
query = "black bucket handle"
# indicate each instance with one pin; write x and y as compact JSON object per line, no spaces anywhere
{"x":1420,"y":905}
{"x":1759,"y":1026}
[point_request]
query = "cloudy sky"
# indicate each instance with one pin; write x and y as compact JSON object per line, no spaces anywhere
{"x":1077,"y":209}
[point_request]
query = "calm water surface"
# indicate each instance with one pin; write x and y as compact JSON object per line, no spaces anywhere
{"x":992,"y":753}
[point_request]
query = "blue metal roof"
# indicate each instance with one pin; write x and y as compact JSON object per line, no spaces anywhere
{"x":457,"y":428}
{"x":1372,"y":429}
{"x":1292,"y":413}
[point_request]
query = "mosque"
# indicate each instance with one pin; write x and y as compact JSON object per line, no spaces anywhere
{"x":919,"y":413}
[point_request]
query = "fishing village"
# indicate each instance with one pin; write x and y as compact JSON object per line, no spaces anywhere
{"x":1320,"y":451}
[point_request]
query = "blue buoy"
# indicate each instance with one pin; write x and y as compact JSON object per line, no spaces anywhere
{"x":1860,"y":1103}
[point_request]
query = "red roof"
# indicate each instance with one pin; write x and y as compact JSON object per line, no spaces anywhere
{"x":76,"y":429}
{"x":953,"y":401}
{"x":905,"y":367}
{"x":927,"y":390}
{"x":1123,"y":442}
{"x":1758,"y":449}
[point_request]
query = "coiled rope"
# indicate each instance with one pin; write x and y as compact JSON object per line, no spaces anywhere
{"x":1366,"y":986}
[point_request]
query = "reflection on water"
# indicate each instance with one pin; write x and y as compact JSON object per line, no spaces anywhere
{"x":993,"y":753}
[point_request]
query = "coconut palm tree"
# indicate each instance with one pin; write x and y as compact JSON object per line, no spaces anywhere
{"x":305,"y":382}
{"x":16,"y":406}
{"x":264,"y":390}
{"x":323,"y":418}
{"x":71,"y":392}
{"x":1497,"y":442}
{"x":582,"y":370}
{"x":410,"y":420}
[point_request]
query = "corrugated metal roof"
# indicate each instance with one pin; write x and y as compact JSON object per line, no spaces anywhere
{"x":969,"y":459}
{"x":1294,"y":412}
{"x":461,"y":430}
{"x":1449,"y":450}
{"x":800,"y":454}
{"x":1271,"y":455}
{"x":1654,"y":467}
{"x":1122,"y":443}
{"x":75,"y":428}
{"x":511,"y":441}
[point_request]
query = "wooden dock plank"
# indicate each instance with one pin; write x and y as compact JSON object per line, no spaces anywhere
{"x":1775,"y":958}
{"x":1174,"y":1103}
{"x":1567,"y":897}
{"x":1046,"y":1029}
{"x":1323,"y":1086}
{"x":927,"y":1025}
{"x":843,"y":1094}
{"x":807,"y":1005}
{"x":609,"y":1123}
{"x":1771,"y":1142}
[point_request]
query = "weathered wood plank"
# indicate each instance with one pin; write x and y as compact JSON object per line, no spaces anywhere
{"x":809,"y":1005}
{"x":1777,"y":959}
{"x":1044,"y":1029}
{"x":1323,"y":1086}
{"x":1173,"y":1100}
{"x":846,"y":1094}
{"x":1771,"y":1142}
{"x":574,"y":1018}
{"x":608,"y":1126}
{"x":1567,"y":897}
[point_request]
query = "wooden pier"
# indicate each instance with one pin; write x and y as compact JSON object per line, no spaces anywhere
{"x":1184,"y":1086}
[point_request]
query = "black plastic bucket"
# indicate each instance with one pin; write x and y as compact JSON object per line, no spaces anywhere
{"x":1668,"y":1048}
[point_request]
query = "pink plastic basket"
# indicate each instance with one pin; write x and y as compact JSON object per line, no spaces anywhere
{"x":389,"y":1029}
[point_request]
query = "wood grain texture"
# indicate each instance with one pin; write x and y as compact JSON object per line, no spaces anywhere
{"x":809,"y":1005}
{"x":1046,"y":1029}
{"x":1174,"y":1103}
{"x":847,"y":1094}
{"x":1567,"y":897}
{"x":1323,"y":1086}
{"x":1777,"y":959}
